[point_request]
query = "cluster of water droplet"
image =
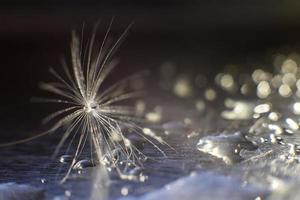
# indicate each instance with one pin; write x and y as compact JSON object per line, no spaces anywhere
{"x":264,"y":103}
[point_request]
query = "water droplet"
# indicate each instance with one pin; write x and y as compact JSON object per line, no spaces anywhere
{"x":297,"y":149}
{"x":225,"y":147}
{"x":292,"y":124}
{"x":296,"y":108}
{"x":82,"y":164}
{"x":274,"y":116}
{"x":275,"y":128}
{"x":68,"y":193}
{"x":124,"y":191}
{"x":66,"y":159}
{"x":263,"y":89}
{"x":262,"y":108}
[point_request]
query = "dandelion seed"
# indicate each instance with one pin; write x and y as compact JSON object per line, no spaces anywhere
{"x":91,"y":110}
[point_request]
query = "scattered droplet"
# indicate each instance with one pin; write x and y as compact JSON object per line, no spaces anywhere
{"x":82,"y":164}
{"x":296,"y":108}
{"x":68,"y":193}
{"x":292,"y":124}
{"x":124,"y":191}
{"x":275,"y":128}
{"x":274,"y":116}
{"x":262,"y":108}
{"x":225,"y":147}
{"x":66,"y":159}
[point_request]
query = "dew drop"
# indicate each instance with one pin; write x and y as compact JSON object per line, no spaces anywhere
{"x":262,"y":108}
{"x":124,"y":191}
{"x":65,"y":158}
{"x":82,"y":164}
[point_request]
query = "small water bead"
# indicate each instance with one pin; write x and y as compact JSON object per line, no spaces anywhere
{"x":225,"y":147}
{"x":68,"y":193}
{"x":292,"y":124}
{"x":124,"y":191}
{"x":276,"y":128}
{"x":43,"y":180}
{"x":279,"y":140}
{"x":66,"y":159}
{"x":297,"y":149}
{"x":262,"y":108}
{"x":296,"y":108}
{"x":82,"y":164}
{"x":272,"y":138}
{"x":264,"y":140}
{"x":256,"y":116}
{"x":274,"y":116}
{"x":288,"y":131}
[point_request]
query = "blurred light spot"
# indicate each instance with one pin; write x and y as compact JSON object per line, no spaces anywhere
{"x":246,"y":89}
{"x":296,"y":108}
{"x":274,"y":116}
{"x":285,"y":90}
{"x":124,"y":191}
{"x":292,"y":124}
{"x":227,"y":82}
{"x":263,"y":89}
{"x":155,"y":116}
{"x":210,"y":94}
{"x":241,"y":111}
{"x":259,"y":75}
{"x":140,"y":107}
{"x":182,"y":87}
{"x":289,"y":66}
{"x":276,"y":128}
{"x":262,"y":108}
{"x":200,"y":105}
{"x":289,"y":79}
{"x":276,"y":81}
